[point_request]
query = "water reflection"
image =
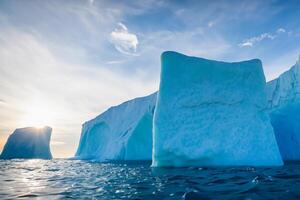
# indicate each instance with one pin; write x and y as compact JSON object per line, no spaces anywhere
{"x":79,"y":179}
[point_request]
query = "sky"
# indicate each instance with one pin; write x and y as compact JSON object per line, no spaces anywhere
{"x":64,"y":62}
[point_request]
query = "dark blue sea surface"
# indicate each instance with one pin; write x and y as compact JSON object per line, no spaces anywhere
{"x":60,"y":179}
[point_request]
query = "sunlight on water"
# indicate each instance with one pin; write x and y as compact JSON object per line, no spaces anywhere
{"x":56,"y":179}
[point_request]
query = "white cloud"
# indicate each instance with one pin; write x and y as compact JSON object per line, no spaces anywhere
{"x":124,"y":41}
{"x":246,"y":44}
{"x":281,"y":30}
{"x":251,"y":41}
{"x":271,"y":36}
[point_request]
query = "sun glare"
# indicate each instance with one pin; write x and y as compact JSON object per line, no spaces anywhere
{"x":38,"y":115}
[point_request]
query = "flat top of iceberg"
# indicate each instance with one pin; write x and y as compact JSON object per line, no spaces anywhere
{"x":33,"y":130}
{"x":167,"y":54}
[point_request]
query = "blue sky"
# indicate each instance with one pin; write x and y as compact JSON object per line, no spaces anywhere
{"x":64,"y":62}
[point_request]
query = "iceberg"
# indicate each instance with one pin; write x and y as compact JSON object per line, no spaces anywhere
{"x":123,"y":132}
{"x":283,"y":96}
{"x":27,"y":143}
{"x":211,"y":113}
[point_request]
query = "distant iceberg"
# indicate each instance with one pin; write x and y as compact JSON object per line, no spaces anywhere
{"x":123,"y":132}
{"x":28,"y":143}
{"x":284,"y":104}
{"x":211,"y":113}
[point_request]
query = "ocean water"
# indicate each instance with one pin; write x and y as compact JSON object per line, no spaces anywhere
{"x":60,"y":179}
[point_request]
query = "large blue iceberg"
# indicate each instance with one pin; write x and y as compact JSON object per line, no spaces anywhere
{"x":27,"y":143}
{"x":123,"y":132}
{"x":208,"y":113}
{"x":211,"y":113}
{"x":284,"y":105}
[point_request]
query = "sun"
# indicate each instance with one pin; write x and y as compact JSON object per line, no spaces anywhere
{"x":38,"y":115}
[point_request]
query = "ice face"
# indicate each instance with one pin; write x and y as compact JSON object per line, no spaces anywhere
{"x":284,"y":105}
{"x":211,"y":113}
{"x":123,"y":132}
{"x":28,"y":143}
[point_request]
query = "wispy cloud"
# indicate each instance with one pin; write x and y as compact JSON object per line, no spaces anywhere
{"x":124,"y":41}
{"x":281,"y":30}
{"x":114,"y":62}
{"x":264,"y":36}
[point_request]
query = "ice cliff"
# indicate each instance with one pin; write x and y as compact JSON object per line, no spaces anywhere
{"x":211,"y":113}
{"x":28,"y":143}
{"x":123,"y":132}
{"x":284,"y":103}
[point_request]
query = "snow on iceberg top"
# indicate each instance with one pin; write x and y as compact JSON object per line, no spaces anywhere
{"x":29,"y":142}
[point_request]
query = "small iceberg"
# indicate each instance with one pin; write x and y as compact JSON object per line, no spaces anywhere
{"x":28,"y":143}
